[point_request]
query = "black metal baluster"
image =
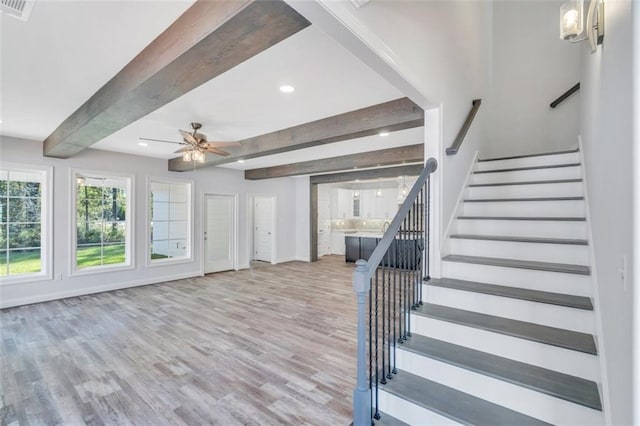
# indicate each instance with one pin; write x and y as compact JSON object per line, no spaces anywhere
{"x":395,"y":300}
{"x":428,"y":224}
{"x":371,"y":346}
{"x":416,"y":250}
{"x":377,"y":366}
{"x":403,"y":280}
{"x":400,"y":282}
{"x":388,"y":277}
{"x":409,"y":287}
{"x":425,"y":254}
{"x":384,"y":312}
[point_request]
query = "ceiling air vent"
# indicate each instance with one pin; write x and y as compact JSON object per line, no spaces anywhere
{"x":17,"y":8}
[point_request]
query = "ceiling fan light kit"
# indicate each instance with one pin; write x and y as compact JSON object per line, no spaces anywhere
{"x":196,"y":145}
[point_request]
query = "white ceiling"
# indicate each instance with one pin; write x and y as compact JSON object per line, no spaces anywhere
{"x":65,"y":52}
{"x":68,"y":50}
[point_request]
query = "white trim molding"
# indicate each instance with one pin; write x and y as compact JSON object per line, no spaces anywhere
{"x":46,"y":223}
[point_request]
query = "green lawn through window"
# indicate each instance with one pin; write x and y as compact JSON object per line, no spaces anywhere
{"x":21,"y":263}
{"x":90,"y":256}
{"x":29,"y":262}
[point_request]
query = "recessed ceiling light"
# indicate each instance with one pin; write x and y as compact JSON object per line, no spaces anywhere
{"x":287,"y":89}
{"x":240,"y":161}
{"x":383,"y":134}
{"x":143,"y":144}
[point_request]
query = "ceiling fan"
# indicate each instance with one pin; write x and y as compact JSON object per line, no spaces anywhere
{"x":196,"y":145}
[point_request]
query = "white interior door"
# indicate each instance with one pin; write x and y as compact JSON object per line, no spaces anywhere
{"x":263,"y":228}
{"x":324,"y":221}
{"x":219,"y":236}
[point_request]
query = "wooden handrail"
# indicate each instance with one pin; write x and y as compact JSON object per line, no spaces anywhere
{"x":565,"y":95}
{"x":453,"y":149}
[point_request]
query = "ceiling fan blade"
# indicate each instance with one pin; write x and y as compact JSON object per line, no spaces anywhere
{"x":188,"y":137}
{"x":160,"y":140}
{"x":201,"y":137}
{"x":181,"y":150}
{"x":217,"y":151}
{"x":222,"y":143}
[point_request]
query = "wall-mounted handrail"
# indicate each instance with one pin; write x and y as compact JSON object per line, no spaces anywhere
{"x":475,"y":106}
{"x":565,"y":95}
{"x":391,"y":280}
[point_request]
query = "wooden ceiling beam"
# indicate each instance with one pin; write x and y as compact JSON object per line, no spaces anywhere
{"x":390,"y":116}
{"x":385,"y":172}
{"x":210,"y":38}
{"x":384,"y":157}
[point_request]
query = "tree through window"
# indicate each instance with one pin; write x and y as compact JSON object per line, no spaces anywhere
{"x":102,"y":235}
{"x":21,"y":219}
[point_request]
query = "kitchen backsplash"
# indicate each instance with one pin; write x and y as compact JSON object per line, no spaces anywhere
{"x":360,"y":224}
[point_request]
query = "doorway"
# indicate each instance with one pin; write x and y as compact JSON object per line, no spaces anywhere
{"x":219,"y":233}
{"x":264,"y":229}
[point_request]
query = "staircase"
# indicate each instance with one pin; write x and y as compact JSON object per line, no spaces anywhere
{"x":506,"y":336}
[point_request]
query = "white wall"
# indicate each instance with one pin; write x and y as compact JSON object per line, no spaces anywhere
{"x":302,"y":220}
{"x":209,"y":180}
{"x":607,"y":134}
{"x":531,"y":67}
{"x":438,"y":51}
{"x":636,"y":215}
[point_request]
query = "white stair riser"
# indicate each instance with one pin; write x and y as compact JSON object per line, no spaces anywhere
{"x":565,"y":189}
{"x":409,"y":412}
{"x":555,"y":282}
{"x":541,"y":252}
{"x":524,"y":208}
{"x":551,"y":357}
{"x":542,"y":160}
{"x":514,"y":397}
{"x":528,"y":175}
{"x":522,"y":310}
{"x":522,"y":228}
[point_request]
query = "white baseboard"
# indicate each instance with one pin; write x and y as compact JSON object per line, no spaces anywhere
{"x":92,"y":290}
{"x":602,"y":351}
{"x":286,"y":259}
{"x":444,"y":248}
{"x":303,"y":258}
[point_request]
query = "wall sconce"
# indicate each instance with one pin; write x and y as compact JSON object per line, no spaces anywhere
{"x":573,"y":25}
{"x":356,"y":195}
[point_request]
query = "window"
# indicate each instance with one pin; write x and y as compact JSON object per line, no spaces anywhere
{"x":102,"y":221}
{"x":170,"y":221}
{"x":24,"y":219}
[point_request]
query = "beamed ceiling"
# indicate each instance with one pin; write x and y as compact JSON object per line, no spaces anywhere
{"x":217,"y":63}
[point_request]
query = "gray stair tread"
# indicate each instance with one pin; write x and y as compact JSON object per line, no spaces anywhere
{"x":531,"y":182}
{"x":559,"y":385}
{"x":573,"y":340}
{"x":387,"y":420}
{"x":453,"y":404}
{"x":520,"y":239}
{"x":567,"y":300}
{"x":518,"y":169}
{"x":541,"y":218}
{"x":498,"y":200}
{"x":522,"y":264}
{"x":540,"y":154}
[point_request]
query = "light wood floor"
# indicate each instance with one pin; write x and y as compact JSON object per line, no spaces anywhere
{"x":271,"y":345}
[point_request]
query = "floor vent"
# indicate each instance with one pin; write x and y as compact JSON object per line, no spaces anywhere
{"x":20,"y":9}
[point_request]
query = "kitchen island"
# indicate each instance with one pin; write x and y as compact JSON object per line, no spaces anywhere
{"x":404,"y":253}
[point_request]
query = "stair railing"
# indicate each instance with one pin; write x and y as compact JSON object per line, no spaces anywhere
{"x":391,"y":280}
{"x":455,"y":146}
{"x":565,"y":95}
